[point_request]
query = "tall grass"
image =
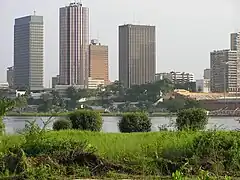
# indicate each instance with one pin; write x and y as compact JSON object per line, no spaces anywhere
{"x":153,"y":153}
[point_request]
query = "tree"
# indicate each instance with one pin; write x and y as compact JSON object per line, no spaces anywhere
{"x":191,"y":119}
{"x":5,"y":106}
{"x":191,"y":103}
{"x":173,"y":105}
{"x":135,"y":122}
{"x":21,"y":102}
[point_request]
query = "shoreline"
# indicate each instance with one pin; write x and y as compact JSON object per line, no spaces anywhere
{"x":102,"y":114}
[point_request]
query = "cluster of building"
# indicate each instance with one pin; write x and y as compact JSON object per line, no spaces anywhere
{"x":82,"y":63}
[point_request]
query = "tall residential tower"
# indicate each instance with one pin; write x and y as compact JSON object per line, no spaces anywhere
{"x":28,"y":52}
{"x":137,"y":54}
{"x":73,"y":45}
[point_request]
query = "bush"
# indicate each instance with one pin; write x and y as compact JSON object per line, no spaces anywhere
{"x":86,"y":120}
{"x":135,"y":122}
{"x":191,"y":119}
{"x":62,"y":124}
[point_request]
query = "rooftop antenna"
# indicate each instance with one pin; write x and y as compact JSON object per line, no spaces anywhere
{"x":34,"y":13}
{"x":98,"y":35}
{"x":134,"y":19}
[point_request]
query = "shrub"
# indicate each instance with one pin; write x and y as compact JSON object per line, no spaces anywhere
{"x":135,"y":122}
{"x":191,"y":119}
{"x":86,"y":120}
{"x":62,"y":124}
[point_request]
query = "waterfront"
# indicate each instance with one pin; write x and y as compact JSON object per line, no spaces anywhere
{"x":17,"y":123}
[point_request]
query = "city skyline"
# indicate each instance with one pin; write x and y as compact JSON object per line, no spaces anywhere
{"x":182,"y":60}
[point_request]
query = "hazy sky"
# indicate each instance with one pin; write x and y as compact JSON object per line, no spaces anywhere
{"x":187,"y":30}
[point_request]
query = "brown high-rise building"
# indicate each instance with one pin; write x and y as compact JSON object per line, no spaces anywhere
{"x":137,"y":54}
{"x":73,"y":44}
{"x":98,"y":61}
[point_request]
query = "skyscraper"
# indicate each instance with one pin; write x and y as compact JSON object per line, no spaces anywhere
{"x":137,"y":54}
{"x":98,"y":61}
{"x":73,"y":45}
{"x":28,"y":52}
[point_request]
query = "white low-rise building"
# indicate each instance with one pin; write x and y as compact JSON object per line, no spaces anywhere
{"x":203,"y":85}
{"x":95,"y":83}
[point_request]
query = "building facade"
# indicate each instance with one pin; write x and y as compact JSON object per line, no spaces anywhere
{"x":203,"y":85}
{"x":55,"y":81}
{"x":29,"y":52}
{"x":95,"y":83}
{"x":137,"y":54}
{"x":181,"y":77}
{"x":10,"y":76}
{"x":234,"y":41}
{"x":98,"y":61}
{"x":224,"y":71}
{"x":161,"y":76}
{"x":73,"y":44}
{"x":207,"y":74}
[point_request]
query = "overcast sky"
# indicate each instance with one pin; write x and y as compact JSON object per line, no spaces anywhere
{"x":187,"y":30}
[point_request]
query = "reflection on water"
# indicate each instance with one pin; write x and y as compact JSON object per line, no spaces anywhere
{"x":16,"y":124}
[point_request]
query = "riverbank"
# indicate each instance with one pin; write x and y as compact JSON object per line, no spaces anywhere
{"x":66,"y":113}
{"x":76,"y":154}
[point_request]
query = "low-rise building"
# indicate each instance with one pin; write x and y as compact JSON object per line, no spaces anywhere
{"x":95,"y":83}
{"x":203,"y":85}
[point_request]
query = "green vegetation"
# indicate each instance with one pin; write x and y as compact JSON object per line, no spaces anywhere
{"x":62,"y":124}
{"x":76,"y":154}
{"x":135,"y":122}
{"x":86,"y":120}
{"x":191,"y":119}
{"x":138,"y":98}
{"x":5,"y":106}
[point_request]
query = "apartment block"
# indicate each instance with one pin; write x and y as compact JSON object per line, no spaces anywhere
{"x":29,"y":52}
{"x":98,"y":61}
{"x":137,"y":54}
{"x":224,"y":70}
{"x":181,"y":77}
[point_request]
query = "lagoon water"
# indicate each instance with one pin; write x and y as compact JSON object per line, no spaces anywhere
{"x":110,"y":125}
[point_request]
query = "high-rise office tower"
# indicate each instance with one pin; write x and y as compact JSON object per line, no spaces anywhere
{"x":28,"y":52}
{"x":137,"y":54}
{"x":73,"y":45}
{"x":98,"y":61}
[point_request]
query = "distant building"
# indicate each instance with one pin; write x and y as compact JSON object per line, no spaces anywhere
{"x":10,"y":76}
{"x":234,"y":41}
{"x":181,"y":77}
{"x":137,"y":54}
{"x":224,"y":71}
{"x":28,"y":52}
{"x":55,"y":81}
{"x":207,"y":74}
{"x":203,"y":85}
{"x":62,"y":89}
{"x":95,"y":83}
{"x":73,"y":44}
{"x":98,"y":61}
{"x":161,"y":76}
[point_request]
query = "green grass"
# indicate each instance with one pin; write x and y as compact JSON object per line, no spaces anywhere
{"x":152,"y":154}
